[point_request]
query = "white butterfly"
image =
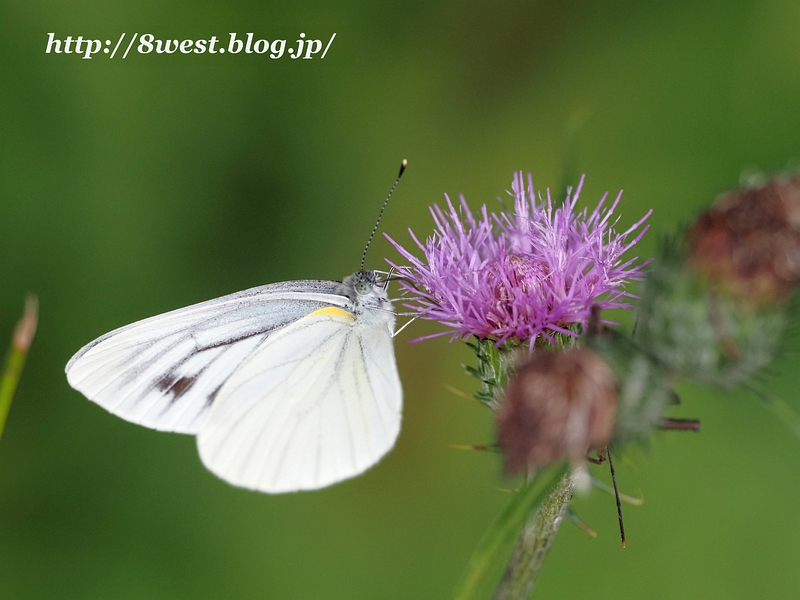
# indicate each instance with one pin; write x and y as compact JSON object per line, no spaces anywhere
{"x":290,"y":386}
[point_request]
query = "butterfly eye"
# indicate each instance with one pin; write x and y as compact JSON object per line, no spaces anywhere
{"x":362,"y":288}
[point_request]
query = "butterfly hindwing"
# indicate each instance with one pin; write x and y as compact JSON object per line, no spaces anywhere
{"x":316,"y":403}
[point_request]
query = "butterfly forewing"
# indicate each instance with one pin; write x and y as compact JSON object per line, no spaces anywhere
{"x":316,"y":403}
{"x":166,"y":371}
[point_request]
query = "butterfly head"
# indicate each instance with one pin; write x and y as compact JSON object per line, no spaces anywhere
{"x":366,"y":291}
{"x":363,"y":284}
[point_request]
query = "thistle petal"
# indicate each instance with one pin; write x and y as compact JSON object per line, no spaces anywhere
{"x":522,"y":274}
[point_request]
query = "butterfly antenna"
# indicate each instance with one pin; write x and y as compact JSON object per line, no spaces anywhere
{"x":403,"y":166}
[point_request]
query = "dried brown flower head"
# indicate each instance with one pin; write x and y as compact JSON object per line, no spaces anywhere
{"x":557,"y":405}
{"x":748,"y":243}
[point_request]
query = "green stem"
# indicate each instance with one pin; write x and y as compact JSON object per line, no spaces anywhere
{"x":20,"y":343}
{"x":533,"y":543}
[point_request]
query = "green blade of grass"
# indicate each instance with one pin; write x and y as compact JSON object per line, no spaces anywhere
{"x":20,"y":344}
{"x":496,"y":543}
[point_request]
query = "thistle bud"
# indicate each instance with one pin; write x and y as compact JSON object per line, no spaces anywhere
{"x":714,"y":310}
{"x":558,"y":405}
{"x":644,"y":389}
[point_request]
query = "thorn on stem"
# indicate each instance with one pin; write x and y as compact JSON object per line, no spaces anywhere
{"x":619,"y":505}
{"x":680,"y":424}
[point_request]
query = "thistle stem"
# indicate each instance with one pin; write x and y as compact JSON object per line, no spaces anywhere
{"x":533,"y":543}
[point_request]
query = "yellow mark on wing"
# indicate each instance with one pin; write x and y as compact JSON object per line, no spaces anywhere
{"x":334,"y":312}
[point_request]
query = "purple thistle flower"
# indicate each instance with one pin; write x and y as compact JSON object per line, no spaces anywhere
{"x":519,"y":276}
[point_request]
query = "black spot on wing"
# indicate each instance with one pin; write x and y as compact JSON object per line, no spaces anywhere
{"x":176,"y":386}
{"x":179,"y":387}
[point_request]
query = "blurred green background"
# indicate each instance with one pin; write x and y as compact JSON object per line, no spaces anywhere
{"x":131,"y":187}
